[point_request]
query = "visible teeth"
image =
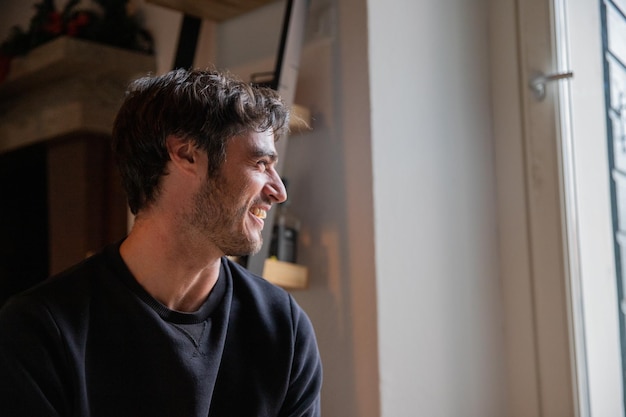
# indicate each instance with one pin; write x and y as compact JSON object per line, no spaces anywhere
{"x":261,"y":214}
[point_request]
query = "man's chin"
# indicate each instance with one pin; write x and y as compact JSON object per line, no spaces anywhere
{"x":252,"y":248}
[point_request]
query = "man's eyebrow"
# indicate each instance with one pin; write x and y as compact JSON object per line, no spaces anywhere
{"x":262,"y":153}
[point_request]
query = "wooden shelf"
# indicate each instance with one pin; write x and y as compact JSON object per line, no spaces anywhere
{"x":285,"y":274}
{"x":216,"y":10}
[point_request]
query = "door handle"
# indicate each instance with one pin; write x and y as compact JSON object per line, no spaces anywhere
{"x":537,"y":83}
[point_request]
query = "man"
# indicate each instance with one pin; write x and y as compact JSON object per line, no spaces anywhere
{"x":162,"y":323}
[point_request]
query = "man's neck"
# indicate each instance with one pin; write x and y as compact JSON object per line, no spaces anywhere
{"x":177,"y":273}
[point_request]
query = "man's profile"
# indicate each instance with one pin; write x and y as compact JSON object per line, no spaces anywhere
{"x":162,"y":323}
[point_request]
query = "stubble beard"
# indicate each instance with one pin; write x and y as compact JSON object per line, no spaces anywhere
{"x":220,"y":216}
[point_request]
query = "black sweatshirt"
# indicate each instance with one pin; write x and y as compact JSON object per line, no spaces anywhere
{"x":93,"y":342}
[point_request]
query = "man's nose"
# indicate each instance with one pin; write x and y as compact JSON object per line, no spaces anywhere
{"x":276,"y":190}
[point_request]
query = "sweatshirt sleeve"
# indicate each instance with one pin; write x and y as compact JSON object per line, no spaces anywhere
{"x":303,"y":396}
{"x":31,"y":358}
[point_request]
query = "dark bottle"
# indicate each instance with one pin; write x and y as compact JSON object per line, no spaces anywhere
{"x":284,"y":244}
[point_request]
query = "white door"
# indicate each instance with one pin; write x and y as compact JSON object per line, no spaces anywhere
{"x":558,"y":266}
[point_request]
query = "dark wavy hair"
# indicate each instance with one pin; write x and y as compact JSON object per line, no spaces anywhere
{"x":207,"y":107}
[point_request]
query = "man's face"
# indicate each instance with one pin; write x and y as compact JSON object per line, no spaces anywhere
{"x":231,"y":207}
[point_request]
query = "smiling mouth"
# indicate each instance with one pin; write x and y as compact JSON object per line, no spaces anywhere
{"x":260,"y":213}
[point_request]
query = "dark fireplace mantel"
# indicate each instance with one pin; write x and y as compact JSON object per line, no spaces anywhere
{"x":63,"y":87}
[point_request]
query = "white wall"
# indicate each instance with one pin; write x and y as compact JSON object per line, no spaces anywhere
{"x":439,"y":314}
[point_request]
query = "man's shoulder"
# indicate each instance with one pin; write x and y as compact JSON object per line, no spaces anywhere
{"x":256,"y":286}
{"x":68,"y":290}
{"x":264,"y":301}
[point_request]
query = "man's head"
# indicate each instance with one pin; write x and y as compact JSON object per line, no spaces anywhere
{"x":207,"y":108}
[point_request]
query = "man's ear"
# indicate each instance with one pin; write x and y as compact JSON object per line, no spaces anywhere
{"x":182,"y":152}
